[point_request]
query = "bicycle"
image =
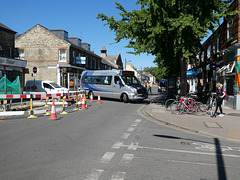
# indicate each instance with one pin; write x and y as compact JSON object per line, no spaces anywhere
{"x":189,"y":105}
{"x":170,"y":101}
{"x":212,"y":104}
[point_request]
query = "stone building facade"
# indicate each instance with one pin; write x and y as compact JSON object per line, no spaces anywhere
{"x":58,"y":58}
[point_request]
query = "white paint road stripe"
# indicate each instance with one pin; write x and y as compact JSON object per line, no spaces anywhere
{"x":138,"y":120}
{"x":126,"y":159}
{"x":95,"y":174}
{"x":133,"y":146}
{"x":117,"y":145}
{"x":130,"y":129}
{"x":200,"y":163}
{"x":118,"y":176}
{"x":107,"y":157}
{"x":125,"y":135}
{"x":189,"y":152}
{"x":134,"y":124}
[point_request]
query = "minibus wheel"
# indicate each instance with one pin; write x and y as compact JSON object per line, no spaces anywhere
{"x":125,"y":98}
{"x":89,"y":94}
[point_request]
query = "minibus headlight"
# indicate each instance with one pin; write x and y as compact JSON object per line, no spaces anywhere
{"x":133,"y":89}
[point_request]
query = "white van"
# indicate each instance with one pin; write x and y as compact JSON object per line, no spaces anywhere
{"x":44,"y":86}
{"x":117,"y":84}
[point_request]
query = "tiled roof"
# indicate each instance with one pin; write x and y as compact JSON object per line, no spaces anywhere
{"x":5,"y":27}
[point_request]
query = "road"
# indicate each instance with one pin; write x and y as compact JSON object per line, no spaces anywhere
{"x":111,"y":141}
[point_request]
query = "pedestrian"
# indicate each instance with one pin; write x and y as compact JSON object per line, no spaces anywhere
{"x":149,"y":87}
{"x":199,"y":91}
{"x":220,"y":95}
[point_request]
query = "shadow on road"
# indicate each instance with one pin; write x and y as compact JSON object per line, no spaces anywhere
{"x":220,"y":162}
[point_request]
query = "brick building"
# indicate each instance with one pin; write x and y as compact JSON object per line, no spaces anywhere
{"x":10,"y":65}
{"x":219,"y":58}
{"x":57,"y":57}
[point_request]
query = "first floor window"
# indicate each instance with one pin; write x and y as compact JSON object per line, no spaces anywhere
{"x":62,"y":55}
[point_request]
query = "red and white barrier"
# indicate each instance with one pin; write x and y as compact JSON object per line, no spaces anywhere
{"x":28,"y":96}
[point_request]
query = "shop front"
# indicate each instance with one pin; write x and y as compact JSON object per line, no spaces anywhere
{"x":12,"y":69}
{"x":69,"y":76}
{"x":228,"y":75}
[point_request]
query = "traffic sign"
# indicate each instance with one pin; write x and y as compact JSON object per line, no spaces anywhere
{"x":34,"y":70}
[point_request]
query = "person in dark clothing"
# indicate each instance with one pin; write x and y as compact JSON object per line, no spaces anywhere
{"x":220,"y":95}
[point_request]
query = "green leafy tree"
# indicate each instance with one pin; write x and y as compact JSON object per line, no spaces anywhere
{"x":169,"y":29}
{"x":158,"y":73}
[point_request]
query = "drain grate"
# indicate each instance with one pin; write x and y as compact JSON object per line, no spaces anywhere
{"x":212,"y":125}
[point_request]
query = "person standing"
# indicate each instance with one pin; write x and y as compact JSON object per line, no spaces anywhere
{"x":220,"y":95}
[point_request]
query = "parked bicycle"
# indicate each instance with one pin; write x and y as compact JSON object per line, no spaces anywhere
{"x":170,"y":101}
{"x":212,"y":104}
{"x":188,"y":105}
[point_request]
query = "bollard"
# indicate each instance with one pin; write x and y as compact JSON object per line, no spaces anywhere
{"x":46,"y":105}
{"x":85,"y":99}
{"x":32,"y":116}
{"x":77,"y":105}
{"x":64,"y":112}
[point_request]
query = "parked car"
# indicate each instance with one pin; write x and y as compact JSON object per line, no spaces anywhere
{"x":44,"y":86}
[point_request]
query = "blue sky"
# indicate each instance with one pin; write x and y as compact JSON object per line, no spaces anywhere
{"x":78,"y":18}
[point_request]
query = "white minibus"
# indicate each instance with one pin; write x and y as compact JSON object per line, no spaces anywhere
{"x":117,"y":84}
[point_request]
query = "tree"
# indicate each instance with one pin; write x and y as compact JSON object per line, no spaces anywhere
{"x":158,"y":73}
{"x":171,"y":30}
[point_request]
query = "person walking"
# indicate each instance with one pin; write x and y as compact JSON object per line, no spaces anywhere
{"x":220,"y":95}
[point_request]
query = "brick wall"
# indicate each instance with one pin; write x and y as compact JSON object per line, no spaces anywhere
{"x":41,"y":48}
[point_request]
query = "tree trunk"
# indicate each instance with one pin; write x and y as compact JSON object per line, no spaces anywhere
{"x":183,"y":84}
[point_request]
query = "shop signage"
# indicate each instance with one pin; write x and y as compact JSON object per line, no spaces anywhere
{"x":191,"y":73}
{"x":12,"y":62}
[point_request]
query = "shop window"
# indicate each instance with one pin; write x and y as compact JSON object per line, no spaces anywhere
{"x":62,"y":55}
{"x":230,"y":30}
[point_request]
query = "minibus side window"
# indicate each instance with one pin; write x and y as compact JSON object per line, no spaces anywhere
{"x":117,"y":80}
{"x":107,"y":80}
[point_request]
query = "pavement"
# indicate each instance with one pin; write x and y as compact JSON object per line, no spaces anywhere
{"x":227,"y":127}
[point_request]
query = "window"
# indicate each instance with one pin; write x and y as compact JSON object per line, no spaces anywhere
{"x":202,"y":56}
{"x":216,"y":44}
{"x":101,"y":80}
{"x":21,"y":54}
{"x":230,"y":30}
{"x":62,"y":55}
{"x":209,"y":52}
{"x":73,"y":56}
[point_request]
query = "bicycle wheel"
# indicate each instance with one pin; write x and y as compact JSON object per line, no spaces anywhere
{"x":177,"y":107}
{"x":213,"y":108}
{"x":199,"y":108}
{"x":168,"y":103}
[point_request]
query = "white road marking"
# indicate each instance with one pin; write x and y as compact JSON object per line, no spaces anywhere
{"x":117,"y":145}
{"x":107,"y":157}
{"x":130,"y":129}
{"x":189,"y":152}
{"x":133,"y":146}
{"x":126,"y":159}
{"x":134,"y":124}
{"x":125,"y":135}
{"x":138,"y":120}
{"x":200,"y":163}
{"x":118,"y":176}
{"x":95,"y":174}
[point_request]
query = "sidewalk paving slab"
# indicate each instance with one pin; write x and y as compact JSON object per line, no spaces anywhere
{"x":227,"y":127}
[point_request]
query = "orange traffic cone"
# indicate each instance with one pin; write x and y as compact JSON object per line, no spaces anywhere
{"x":83,"y":104}
{"x":53,"y":111}
{"x":91,"y":97}
{"x":99,"y":98}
